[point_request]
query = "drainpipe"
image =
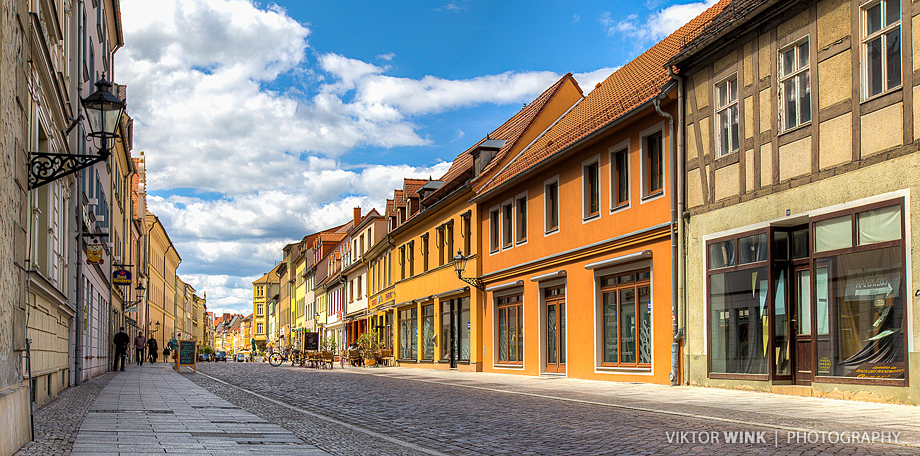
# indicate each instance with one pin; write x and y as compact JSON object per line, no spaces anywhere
{"x":675,"y":343}
{"x":681,"y":221}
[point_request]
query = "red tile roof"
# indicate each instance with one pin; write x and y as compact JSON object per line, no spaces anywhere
{"x":634,"y":84}
{"x":510,"y":131}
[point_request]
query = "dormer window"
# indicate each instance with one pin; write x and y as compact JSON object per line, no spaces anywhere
{"x":485,"y":153}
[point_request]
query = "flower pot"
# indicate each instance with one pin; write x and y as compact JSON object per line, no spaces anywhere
{"x":370,"y":361}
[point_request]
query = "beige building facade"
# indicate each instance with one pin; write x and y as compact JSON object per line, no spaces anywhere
{"x":800,"y":140}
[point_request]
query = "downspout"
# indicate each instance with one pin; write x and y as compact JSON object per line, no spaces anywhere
{"x":675,"y":343}
{"x":681,"y":224}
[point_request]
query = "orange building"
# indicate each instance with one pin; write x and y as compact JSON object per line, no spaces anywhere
{"x":577,"y":235}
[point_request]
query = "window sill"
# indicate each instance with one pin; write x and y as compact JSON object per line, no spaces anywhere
{"x":521,"y":242}
{"x":620,"y":208}
{"x":508,"y":366}
{"x":552,"y":231}
{"x":623,"y":369}
{"x":652,"y":196}
{"x":591,"y":217}
{"x":882,"y":94}
{"x":795,"y":128}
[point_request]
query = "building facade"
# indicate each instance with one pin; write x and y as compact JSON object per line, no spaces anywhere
{"x":801,"y":140}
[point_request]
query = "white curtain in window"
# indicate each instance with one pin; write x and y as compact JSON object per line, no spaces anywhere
{"x":833,"y":234}
{"x":879,"y":225}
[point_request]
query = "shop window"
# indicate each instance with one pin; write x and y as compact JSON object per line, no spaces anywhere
{"x":627,"y":319}
{"x":455,"y":315}
{"x":859,"y":296}
{"x":408,"y":333}
{"x":428,"y":332}
{"x":738,"y":321}
{"x":510,"y":313}
{"x":881,"y":46}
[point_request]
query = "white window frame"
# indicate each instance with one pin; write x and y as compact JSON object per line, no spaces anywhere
{"x":599,"y":319}
{"x":547,"y":230}
{"x":720,"y":109}
{"x":517,"y":218}
{"x":612,"y":152}
{"x":495,"y":222}
{"x":657,"y":129}
{"x":881,"y":33}
{"x":506,"y":244}
{"x":795,"y":75}
{"x":496,"y":364}
{"x":586,"y":215}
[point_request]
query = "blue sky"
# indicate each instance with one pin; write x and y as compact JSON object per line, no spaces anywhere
{"x":264,"y":122}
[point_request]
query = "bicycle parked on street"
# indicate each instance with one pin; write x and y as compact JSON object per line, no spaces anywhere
{"x":277,"y":358}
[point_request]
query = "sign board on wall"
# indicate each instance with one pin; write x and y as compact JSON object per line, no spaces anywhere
{"x":94,"y":254}
{"x":121,"y":277}
{"x":187,"y":354}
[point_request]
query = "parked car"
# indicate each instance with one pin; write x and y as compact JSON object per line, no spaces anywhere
{"x":220,"y":356}
{"x":240,"y":357}
{"x":204,"y":357}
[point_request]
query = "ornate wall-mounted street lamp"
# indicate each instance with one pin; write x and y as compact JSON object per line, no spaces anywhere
{"x":103,"y":111}
{"x":460,"y":266}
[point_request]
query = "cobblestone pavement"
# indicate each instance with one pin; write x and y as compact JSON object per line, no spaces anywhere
{"x":56,"y":423}
{"x":405,"y":411}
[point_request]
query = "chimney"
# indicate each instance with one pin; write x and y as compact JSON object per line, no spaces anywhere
{"x":357,"y":217}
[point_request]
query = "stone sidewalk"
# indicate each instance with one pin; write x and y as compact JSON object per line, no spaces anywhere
{"x":786,"y":414}
{"x":153,"y":409}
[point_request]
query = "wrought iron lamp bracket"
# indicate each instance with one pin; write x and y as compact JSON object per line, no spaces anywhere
{"x":47,"y":167}
{"x":475,"y":282}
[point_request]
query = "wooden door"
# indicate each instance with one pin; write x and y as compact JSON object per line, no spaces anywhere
{"x":555,"y":329}
{"x":804,"y":371}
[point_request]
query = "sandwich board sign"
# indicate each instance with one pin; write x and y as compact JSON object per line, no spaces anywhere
{"x":187,"y":351}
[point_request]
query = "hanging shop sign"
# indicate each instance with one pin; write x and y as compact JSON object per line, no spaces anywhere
{"x":131,"y":309}
{"x":121,"y":277}
{"x":94,"y":254}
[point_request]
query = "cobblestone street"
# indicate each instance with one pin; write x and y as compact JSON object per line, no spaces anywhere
{"x":412,"y":411}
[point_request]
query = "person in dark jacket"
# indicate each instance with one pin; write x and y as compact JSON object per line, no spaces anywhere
{"x":121,"y":342}
{"x":152,"y":349}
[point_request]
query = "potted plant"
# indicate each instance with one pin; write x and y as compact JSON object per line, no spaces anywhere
{"x":368,"y":343}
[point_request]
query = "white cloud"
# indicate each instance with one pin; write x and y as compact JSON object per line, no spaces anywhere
{"x":232,"y":241}
{"x":656,"y":25}
{"x":587,"y":81}
{"x":230,"y":100}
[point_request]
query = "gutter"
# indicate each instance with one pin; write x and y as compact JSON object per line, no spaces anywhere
{"x":675,"y":343}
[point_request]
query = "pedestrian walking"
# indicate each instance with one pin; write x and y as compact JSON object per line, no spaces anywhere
{"x":140,"y":348}
{"x":121,"y":342}
{"x":173,"y":346}
{"x":152,"y":349}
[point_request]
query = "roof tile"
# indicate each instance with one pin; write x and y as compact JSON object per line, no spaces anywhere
{"x":627,"y":88}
